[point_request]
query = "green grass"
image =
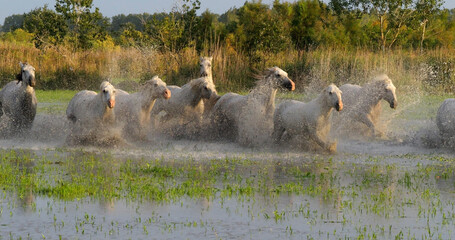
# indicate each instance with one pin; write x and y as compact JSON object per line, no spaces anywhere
{"x":55,"y":96}
{"x":422,"y":107}
{"x":53,"y":101}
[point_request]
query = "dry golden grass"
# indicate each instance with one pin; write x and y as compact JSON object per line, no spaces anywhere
{"x":60,"y":68}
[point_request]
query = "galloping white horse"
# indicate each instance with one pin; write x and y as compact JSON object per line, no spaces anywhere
{"x":91,"y":113}
{"x":206,"y":67}
{"x":242,"y":118}
{"x":186,"y":101}
{"x":363,"y":105}
{"x":206,"y":72}
{"x":18,"y":101}
{"x":307,"y":123}
{"x":133,"y":110}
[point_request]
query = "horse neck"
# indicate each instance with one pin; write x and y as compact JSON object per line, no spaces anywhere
{"x":147,"y":101}
{"x":324,"y":106}
{"x":106,"y":112}
{"x":371,"y":97}
{"x":265,"y":94}
{"x":190,"y":95}
{"x":28,"y":92}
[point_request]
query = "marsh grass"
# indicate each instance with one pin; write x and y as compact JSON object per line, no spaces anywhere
{"x":350,"y":194}
{"x":233,"y":71}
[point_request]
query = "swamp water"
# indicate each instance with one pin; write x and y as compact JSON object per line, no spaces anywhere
{"x":398,"y":188}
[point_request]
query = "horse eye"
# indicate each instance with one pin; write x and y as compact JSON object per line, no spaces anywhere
{"x":277,"y":75}
{"x":155,"y":85}
{"x":330,"y":93}
{"x":205,"y":88}
{"x":210,"y":65}
{"x":104,"y":91}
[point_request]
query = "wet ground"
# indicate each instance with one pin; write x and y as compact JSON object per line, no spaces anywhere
{"x":401,"y":186}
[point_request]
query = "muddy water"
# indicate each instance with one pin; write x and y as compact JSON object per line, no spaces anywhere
{"x":398,"y":186}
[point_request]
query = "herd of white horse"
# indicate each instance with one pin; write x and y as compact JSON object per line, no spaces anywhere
{"x":196,"y":110}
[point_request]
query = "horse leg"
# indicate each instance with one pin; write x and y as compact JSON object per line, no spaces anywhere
{"x":277,"y":134}
{"x":366,"y":119}
{"x":327,"y":146}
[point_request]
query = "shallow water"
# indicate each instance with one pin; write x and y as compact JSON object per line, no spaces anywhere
{"x":346,"y":196}
{"x":399,"y":186}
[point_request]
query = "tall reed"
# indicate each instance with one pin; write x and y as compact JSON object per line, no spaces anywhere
{"x":60,"y":68}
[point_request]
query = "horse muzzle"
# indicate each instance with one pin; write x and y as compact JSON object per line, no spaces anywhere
{"x":32,"y":82}
{"x":167,"y":94}
{"x":339,"y":106}
{"x":111,"y":103}
{"x":394,"y":104}
{"x":289,"y":85}
{"x":204,"y":74}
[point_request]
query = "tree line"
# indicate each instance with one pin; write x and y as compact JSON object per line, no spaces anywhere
{"x":254,"y":29}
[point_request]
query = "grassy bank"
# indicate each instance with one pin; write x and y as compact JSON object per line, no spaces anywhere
{"x":233,"y":71}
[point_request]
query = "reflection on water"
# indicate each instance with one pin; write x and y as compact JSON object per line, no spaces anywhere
{"x":371,"y":189}
{"x":337,"y":199}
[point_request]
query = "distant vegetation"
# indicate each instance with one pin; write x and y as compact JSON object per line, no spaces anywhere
{"x":75,"y":46}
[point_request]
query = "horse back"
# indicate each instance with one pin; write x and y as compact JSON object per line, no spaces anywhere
{"x":350,"y":94}
{"x":79,"y":103}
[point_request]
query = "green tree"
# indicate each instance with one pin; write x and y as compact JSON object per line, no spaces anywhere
{"x":261,"y":29}
{"x":306,"y":23}
{"x":131,"y":37}
{"x":426,"y":9}
{"x":13,"y":22}
{"x":85,"y":26}
{"x":392,"y":17}
{"x":164,"y":34}
{"x":48,"y":27}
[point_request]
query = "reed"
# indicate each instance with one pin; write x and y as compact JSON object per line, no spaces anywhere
{"x":60,"y":68}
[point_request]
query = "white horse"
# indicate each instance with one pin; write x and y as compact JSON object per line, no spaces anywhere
{"x":18,"y":101}
{"x":242,"y":118}
{"x":186,"y":102}
{"x":206,"y":72}
{"x":445,"y":120}
{"x":310,"y":122}
{"x":363,"y":105}
{"x":133,"y":110}
{"x":92,"y":114}
{"x":206,"y":67}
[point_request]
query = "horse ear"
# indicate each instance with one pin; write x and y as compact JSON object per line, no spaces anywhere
{"x":21,"y":64}
{"x":201,"y":58}
{"x":210,"y":58}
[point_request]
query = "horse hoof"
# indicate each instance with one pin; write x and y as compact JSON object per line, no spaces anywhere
{"x":332,"y":148}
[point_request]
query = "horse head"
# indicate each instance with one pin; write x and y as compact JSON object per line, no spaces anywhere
{"x":27,"y":74}
{"x":388,"y":91}
{"x":333,"y":95}
{"x":158,"y":88}
{"x":207,"y":89}
{"x":279,"y":78}
{"x":206,"y":66}
{"x":108,"y":92}
{"x":202,"y":87}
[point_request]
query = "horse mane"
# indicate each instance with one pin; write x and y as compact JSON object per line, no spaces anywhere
{"x":261,"y":79}
{"x":378,"y":81}
{"x":104,"y":84}
{"x":19,"y":75}
{"x":195,"y":84}
{"x":148,"y":82}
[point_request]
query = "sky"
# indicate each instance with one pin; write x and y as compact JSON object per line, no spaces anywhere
{"x":111,"y":8}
